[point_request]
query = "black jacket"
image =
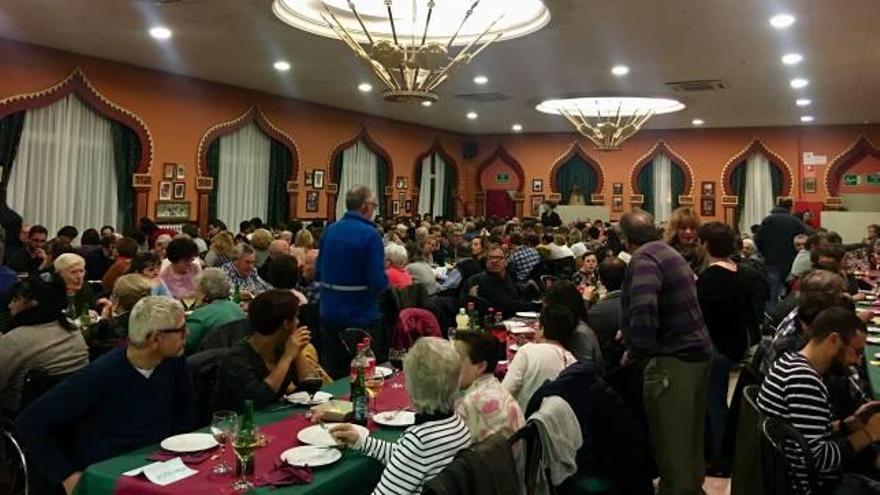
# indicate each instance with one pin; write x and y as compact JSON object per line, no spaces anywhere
{"x":487,"y":468}
{"x":775,"y":238}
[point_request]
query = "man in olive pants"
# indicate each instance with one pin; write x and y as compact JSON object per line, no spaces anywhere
{"x":662,"y":323}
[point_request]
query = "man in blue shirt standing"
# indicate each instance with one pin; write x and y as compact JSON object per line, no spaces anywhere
{"x":351,"y":273}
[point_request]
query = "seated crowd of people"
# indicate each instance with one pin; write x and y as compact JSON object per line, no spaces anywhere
{"x":639,"y":327}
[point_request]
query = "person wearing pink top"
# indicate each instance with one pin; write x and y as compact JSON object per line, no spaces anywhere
{"x":396,"y":260}
{"x":180,"y":275}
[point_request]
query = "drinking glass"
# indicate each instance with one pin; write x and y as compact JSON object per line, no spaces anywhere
{"x":245,"y":444}
{"x":222,"y":427}
{"x":312,"y":383}
{"x":395,"y":357}
{"x":188,"y":300}
{"x":374,"y":386}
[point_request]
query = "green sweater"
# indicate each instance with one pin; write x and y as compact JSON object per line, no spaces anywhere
{"x":207,"y":318}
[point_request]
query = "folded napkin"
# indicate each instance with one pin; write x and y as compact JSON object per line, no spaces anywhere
{"x":283,"y":474}
{"x":303,"y":398}
{"x":190,"y":458}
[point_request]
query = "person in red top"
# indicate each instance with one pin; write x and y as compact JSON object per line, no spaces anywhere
{"x":396,"y":260}
{"x":126,"y":249}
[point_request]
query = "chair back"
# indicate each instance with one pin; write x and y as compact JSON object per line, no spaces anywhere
{"x":788,"y":462}
{"x":746,"y":467}
{"x":226,"y":335}
{"x":36,"y":383}
{"x":13,"y":463}
{"x":528,"y":435}
{"x":203,"y":368}
{"x":563,"y":268}
{"x":413,"y":323}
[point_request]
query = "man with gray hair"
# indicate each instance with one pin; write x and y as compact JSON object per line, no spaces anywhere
{"x":129,"y":398}
{"x":351,"y":273}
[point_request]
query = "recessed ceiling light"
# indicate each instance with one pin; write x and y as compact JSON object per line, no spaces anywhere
{"x":799,"y":83}
{"x":792,"y":58}
{"x":807,"y":118}
{"x":803,"y":102}
{"x":516,"y":128}
{"x":782,"y":21}
{"x":698,"y":122}
{"x":620,"y":70}
{"x":160,"y":32}
{"x":427,"y":103}
{"x":282,"y":66}
{"x":365,"y":87}
{"x":481,"y":80}
{"x":472,"y":115}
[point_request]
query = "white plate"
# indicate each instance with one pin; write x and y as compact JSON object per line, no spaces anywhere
{"x":873,"y":339}
{"x":320,"y":435}
{"x":309,"y":456}
{"x":514,"y":324}
{"x":189,"y":442}
{"x":395,"y":418}
{"x":522,"y":330}
{"x":528,"y":314}
{"x":384,"y":372}
{"x":873,"y":329}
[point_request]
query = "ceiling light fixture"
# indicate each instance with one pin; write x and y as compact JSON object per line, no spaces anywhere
{"x":803,"y":102}
{"x":782,"y":21}
{"x":282,"y":66}
{"x":481,"y":80}
{"x":427,"y":103}
{"x":620,"y":70}
{"x":807,"y":118}
{"x":413,"y":47}
{"x":799,"y":83}
{"x":365,"y":87}
{"x":792,"y":58}
{"x":160,"y":33}
{"x":472,"y":115}
{"x":698,"y":122}
{"x":516,"y":128}
{"x":609,"y":121}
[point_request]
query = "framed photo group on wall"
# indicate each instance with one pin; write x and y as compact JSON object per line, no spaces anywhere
{"x":707,"y":199}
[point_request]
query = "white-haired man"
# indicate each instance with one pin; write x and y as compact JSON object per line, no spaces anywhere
{"x":131,"y":397}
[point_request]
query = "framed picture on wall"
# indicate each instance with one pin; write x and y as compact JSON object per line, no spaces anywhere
{"x":179,"y":190}
{"x":165,"y":190}
{"x":617,"y":204}
{"x":169,"y":171}
{"x":318,"y":179}
{"x":407,"y":206}
{"x":312,"y":201}
{"x":707,"y":207}
{"x":402,"y":182}
{"x":708,"y":188}
{"x":617,"y":188}
{"x":307,"y":178}
{"x":537,"y":185}
{"x":181,"y":171}
{"x":401,"y":197}
{"x":395,"y":207}
{"x":809,"y":184}
{"x":172,"y":211}
{"x":536,"y":205}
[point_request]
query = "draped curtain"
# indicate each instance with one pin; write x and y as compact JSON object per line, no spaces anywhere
{"x":758,"y":196}
{"x":435,"y":192}
{"x":662,"y":188}
{"x":645,"y":181}
{"x":359,"y":165}
{"x":65,"y":169}
{"x":280,"y":163}
{"x":126,"y":155}
{"x":11,"y":127}
{"x":677,"y":181}
{"x":244,"y":174}
{"x":576,"y":171}
{"x":213,"y":163}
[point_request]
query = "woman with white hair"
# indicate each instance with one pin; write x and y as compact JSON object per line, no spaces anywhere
{"x":396,"y":260}
{"x":432,"y":368}
{"x":212,"y":289}
{"x":72,"y":269}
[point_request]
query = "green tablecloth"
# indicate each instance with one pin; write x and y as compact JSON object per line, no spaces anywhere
{"x":873,"y":369}
{"x":354,"y":474}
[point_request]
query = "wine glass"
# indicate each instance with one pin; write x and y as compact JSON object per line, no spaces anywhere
{"x":312,"y":383}
{"x":222,"y":427}
{"x":245,"y":442}
{"x":188,"y":300}
{"x":374,"y":385}
{"x":395,"y":357}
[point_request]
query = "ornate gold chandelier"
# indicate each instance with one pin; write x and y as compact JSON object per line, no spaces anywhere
{"x":410,"y":45}
{"x":609,"y":121}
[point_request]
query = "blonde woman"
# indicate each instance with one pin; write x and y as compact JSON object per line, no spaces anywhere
{"x":304,"y":240}
{"x":682,"y":234}
{"x":220,"y":251}
{"x":260,"y":241}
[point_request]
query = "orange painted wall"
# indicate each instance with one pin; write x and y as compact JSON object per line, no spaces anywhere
{"x":488,"y":179}
{"x":870,"y":165}
{"x":179,"y":110}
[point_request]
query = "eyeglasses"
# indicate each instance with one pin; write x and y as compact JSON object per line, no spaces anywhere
{"x":182,"y":329}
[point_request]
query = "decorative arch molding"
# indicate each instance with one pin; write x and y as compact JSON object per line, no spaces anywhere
{"x":255,"y":115}
{"x":859,"y":150}
{"x":757,"y":146}
{"x":502,"y":154}
{"x":437,"y":148}
{"x":577,"y":150}
{"x":79,"y":84}
{"x":362,"y":135}
{"x":661,"y":148}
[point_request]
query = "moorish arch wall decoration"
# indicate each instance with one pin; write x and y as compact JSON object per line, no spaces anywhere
{"x":638,"y":197}
{"x":205,"y":182}
{"x":858,"y":151}
{"x":501,"y":154}
{"x":730,"y":200}
{"x":77,"y":83}
{"x":334,"y":162}
{"x":576,"y":151}
{"x":437,"y":148}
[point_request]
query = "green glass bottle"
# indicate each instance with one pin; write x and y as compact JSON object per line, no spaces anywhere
{"x":359,"y":398}
{"x":236,"y":296}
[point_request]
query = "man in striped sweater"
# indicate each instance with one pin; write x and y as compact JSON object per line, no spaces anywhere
{"x":794,"y":391}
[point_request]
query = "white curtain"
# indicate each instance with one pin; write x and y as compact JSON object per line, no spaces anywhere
{"x":360,"y":166}
{"x":662,"y":188}
{"x":758,"y":199}
{"x":64,"y":173}
{"x":244,"y":176}
{"x":432,"y":194}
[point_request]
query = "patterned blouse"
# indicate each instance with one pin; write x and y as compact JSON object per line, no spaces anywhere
{"x":488,"y":408}
{"x":252,"y":283}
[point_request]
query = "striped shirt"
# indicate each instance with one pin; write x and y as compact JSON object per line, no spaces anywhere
{"x":794,"y":392}
{"x":418,"y":455}
{"x":660,"y":312}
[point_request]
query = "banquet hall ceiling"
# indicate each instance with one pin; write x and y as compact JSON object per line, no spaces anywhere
{"x":237,"y":41}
